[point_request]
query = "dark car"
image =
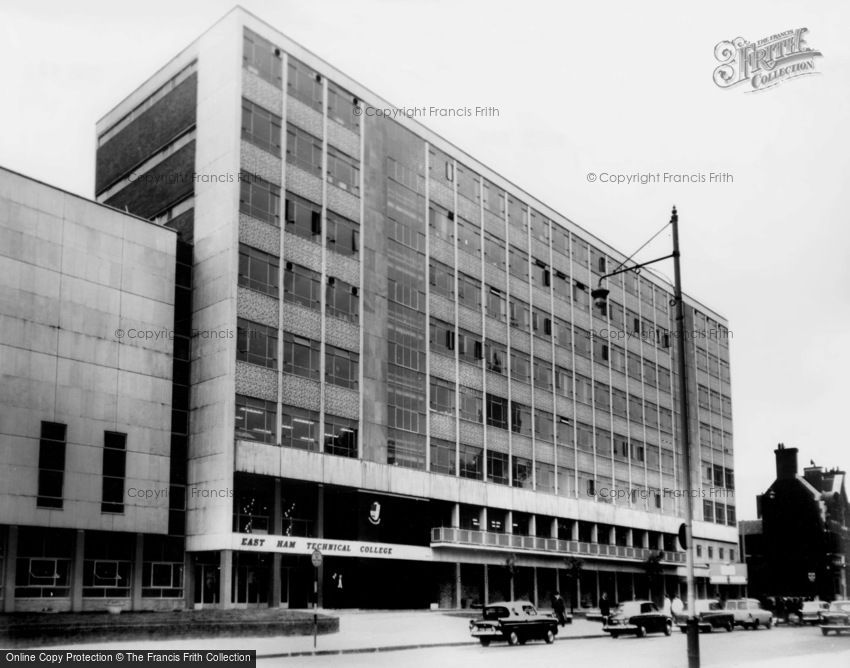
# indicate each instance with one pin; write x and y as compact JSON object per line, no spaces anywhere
{"x":639,"y":618}
{"x":514,"y":621}
{"x":710,"y":616}
{"x":836,"y":619}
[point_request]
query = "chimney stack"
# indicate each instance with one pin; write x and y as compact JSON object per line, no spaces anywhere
{"x":786,"y":462}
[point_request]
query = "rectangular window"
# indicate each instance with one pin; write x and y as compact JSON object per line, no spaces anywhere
{"x":469,"y":347}
{"x":584,"y":437}
{"x":302,"y":286}
{"x":584,"y":389}
{"x":299,"y":428}
{"x":518,"y":263}
{"x":255,"y":419}
{"x":540,"y":275}
{"x":522,"y":474}
{"x":543,"y":374}
{"x":442,"y":395}
{"x":495,"y":306}
{"x":471,"y":465}
{"x":343,"y":171}
{"x":618,"y":403}
{"x":582,"y":342}
{"x":114,"y":471}
{"x":342,"y":300}
{"x":442,"y":456}
{"x":520,"y":314}
{"x":51,"y":465}
{"x":468,"y":237}
{"x":406,"y":449}
{"x":301,"y":356}
{"x":304,"y":150}
{"x":497,"y":357}
{"x":261,"y":127}
{"x":497,"y":411}
{"x":343,"y":108}
{"x":544,"y":425}
{"x":342,"y":367}
{"x":304,"y":83}
{"x":520,"y":367}
{"x":494,"y":250}
{"x":441,"y":221}
{"x":262,"y":58}
{"x":469,"y":291}
{"x":471,"y":405}
{"x":635,"y":409}
{"x":258,"y":270}
{"x":539,"y":227}
{"x":497,"y":467}
{"x":256,"y":343}
{"x":521,"y":419}
{"x":340,"y":436}
{"x":541,"y":323}
{"x":343,"y":235}
{"x":303,"y":218}
{"x":563,"y":381}
{"x":563,"y":334}
{"x":442,"y":279}
{"x":581,"y":296}
{"x":494,"y":199}
{"x":442,"y":337}
{"x":708,"y":510}
{"x":602,"y":397}
{"x":259,"y":198}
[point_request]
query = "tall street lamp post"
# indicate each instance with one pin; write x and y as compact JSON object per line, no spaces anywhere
{"x":600,"y":298}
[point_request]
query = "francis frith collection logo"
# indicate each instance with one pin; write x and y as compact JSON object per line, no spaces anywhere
{"x":766,"y":63}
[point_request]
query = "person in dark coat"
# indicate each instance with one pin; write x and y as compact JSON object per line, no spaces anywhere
{"x":604,"y":608}
{"x":559,"y":606}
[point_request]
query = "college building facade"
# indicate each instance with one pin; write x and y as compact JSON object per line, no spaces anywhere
{"x":386,"y":352}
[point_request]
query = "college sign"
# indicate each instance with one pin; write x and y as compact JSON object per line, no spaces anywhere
{"x":253,"y":542}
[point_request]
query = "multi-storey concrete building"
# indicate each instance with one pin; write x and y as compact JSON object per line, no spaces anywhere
{"x":86,"y":361}
{"x":395,"y":358}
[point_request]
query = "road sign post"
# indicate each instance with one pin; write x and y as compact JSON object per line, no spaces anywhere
{"x":316,"y":558}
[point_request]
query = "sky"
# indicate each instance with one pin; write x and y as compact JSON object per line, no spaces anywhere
{"x":604,"y":88}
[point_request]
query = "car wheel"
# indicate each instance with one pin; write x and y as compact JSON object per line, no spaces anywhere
{"x":641,"y":631}
{"x":825,"y":631}
{"x":550,"y":637}
{"x":513,"y":638}
{"x":668,"y":628}
{"x":730,"y":626}
{"x":615,"y":635}
{"x":485,"y":642}
{"x":755,"y":624}
{"x":769,"y":623}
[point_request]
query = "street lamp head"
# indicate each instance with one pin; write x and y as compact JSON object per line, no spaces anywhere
{"x":600,"y":297}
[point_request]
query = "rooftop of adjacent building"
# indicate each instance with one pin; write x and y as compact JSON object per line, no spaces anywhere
{"x":163,"y":74}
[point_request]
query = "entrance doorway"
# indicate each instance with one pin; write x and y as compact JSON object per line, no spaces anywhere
{"x":206,"y":584}
{"x":251,"y":580}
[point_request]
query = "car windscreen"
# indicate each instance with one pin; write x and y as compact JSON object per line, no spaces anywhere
{"x":840,"y":606}
{"x":497,"y":612}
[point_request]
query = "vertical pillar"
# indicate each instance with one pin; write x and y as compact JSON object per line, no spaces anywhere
{"x":612,"y":536}
{"x":630,"y":537}
{"x":660,"y":544}
{"x":11,"y":566}
{"x":597,"y":586}
{"x":225,"y":580}
{"x":458,"y":585}
{"x":456,"y":516}
{"x":553,"y":528}
{"x":136,"y":590}
{"x":486,"y":586}
{"x":616,"y":598}
{"x":578,"y":591}
{"x":320,"y":533}
{"x":534,"y":596}
{"x":645,"y":540}
{"x":509,"y":524}
{"x":532,"y":525}
{"x":574,"y":531}
{"x":483,"y":520}
{"x":594,"y":533}
{"x":77,"y":571}
{"x":189,"y":580}
{"x":633,"y":587}
{"x":277,"y":530}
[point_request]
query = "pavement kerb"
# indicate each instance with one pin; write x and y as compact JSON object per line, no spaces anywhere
{"x":394,"y":648}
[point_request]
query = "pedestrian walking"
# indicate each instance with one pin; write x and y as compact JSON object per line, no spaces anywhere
{"x":676,"y":606}
{"x":560,"y":608}
{"x":604,"y":608}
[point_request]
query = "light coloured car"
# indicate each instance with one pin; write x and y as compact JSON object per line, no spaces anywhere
{"x":836,"y":619}
{"x":810,"y":614}
{"x":749,"y":614}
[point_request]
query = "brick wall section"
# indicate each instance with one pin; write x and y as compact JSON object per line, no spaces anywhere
{"x":343,"y":203}
{"x":442,"y":309}
{"x":260,"y":163}
{"x":471,"y":433}
{"x":256,"y":306}
{"x":303,"y":116}
{"x":442,"y":195}
{"x":159,"y":125}
{"x":259,"y":235}
{"x":470,"y":376}
{"x":256,"y":381}
{"x":497,"y":440}
{"x":344,"y":139}
{"x":520,"y":341}
{"x":518,"y":237}
{"x":262,"y":92}
{"x":469,"y":210}
{"x":443,"y":251}
{"x":442,"y":366}
{"x":495,"y":330}
{"x":303,"y":184}
{"x":469,"y":264}
{"x":469,"y":319}
{"x":521,"y":446}
{"x":497,"y":384}
{"x":543,"y":400}
{"x":443,"y":426}
{"x":495,"y":277}
{"x":164,"y":185}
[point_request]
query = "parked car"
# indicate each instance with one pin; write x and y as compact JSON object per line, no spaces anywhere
{"x":810,"y":614}
{"x":749,"y":614}
{"x":514,"y":621}
{"x":836,"y":619}
{"x":639,"y":618}
{"x":711,"y":615}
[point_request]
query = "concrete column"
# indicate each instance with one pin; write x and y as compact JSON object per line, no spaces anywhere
{"x":188,"y":580}
{"x":633,"y":586}
{"x":597,"y":587}
{"x":630,"y":537}
{"x":11,"y":566}
{"x":483,"y":520}
{"x":225,"y":580}
{"x":277,"y":530}
{"x":77,"y":571}
{"x":534,"y":596}
{"x":458,"y":585}
{"x":645,"y":541}
{"x":509,"y":524}
{"x":574,"y":530}
{"x":320,"y":533}
{"x":578,"y":592}
{"x":616,"y":587}
{"x":594,"y":533}
{"x":136,"y":587}
{"x":612,"y":536}
{"x":456,"y":516}
{"x":660,"y":545}
{"x":553,"y":528}
{"x":532,"y":525}
{"x":486,"y":585}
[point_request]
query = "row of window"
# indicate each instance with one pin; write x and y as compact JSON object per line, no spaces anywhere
{"x":714,"y":401}
{"x":256,"y":420}
{"x":721,"y":513}
{"x":302,"y":82}
{"x":51,"y":468}
{"x":301,"y":356}
{"x":721,"y":551}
